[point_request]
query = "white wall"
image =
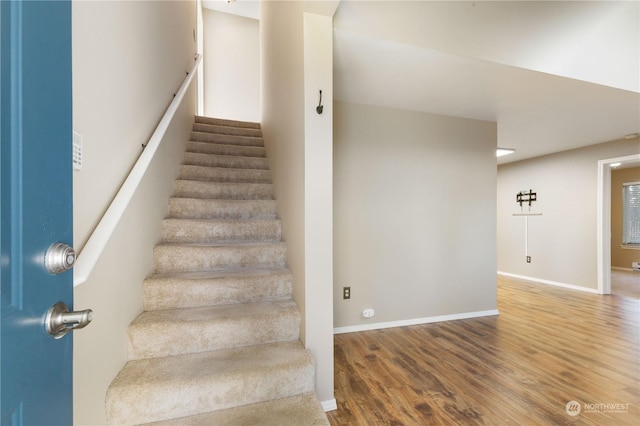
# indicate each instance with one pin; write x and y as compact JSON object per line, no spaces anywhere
{"x":596,"y":41}
{"x":562,"y":242}
{"x":415,"y":204}
{"x":231,"y":66}
{"x":318,"y":203}
{"x":299,"y":149}
{"x":282,"y":46}
{"x":129,"y":58}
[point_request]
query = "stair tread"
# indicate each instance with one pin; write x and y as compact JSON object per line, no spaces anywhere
{"x":224,"y":244}
{"x":219,"y":256}
{"x":235,"y":157}
{"x":212,"y":208}
{"x":224,"y":169}
{"x":185,"y":230}
{"x":190,"y":330}
{"x":227,"y":130}
{"x":223,"y":190}
{"x":198,"y":275}
{"x":299,"y":410}
{"x":209,"y":183}
{"x":223,"y":221}
{"x":241,"y":151}
{"x":213,"y":313}
{"x":251,"y":135}
{"x":225,"y":161}
{"x":184,"y":385}
{"x":209,"y":288}
{"x":178,"y":230}
{"x":225,"y":201}
{"x":228,"y":122}
{"x":244,"y":140}
{"x":219,"y":174}
{"x":198,"y":367}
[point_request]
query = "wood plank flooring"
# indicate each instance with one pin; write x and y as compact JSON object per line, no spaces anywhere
{"x":548,"y":346}
{"x":625,"y":283}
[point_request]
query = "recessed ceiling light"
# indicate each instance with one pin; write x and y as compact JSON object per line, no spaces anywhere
{"x":614,"y":165}
{"x":504,"y":151}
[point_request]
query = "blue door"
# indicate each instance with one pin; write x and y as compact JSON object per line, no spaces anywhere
{"x":35,"y":209}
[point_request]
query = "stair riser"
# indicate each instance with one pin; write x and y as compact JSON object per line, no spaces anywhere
{"x":193,"y":208}
{"x":272,"y":375}
{"x":176,"y":258}
{"x":175,"y":292}
{"x":228,"y":161}
{"x":222,"y":149}
{"x":227,"y":130}
{"x":200,"y":333}
{"x":226,"y":139}
{"x":224,"y":122}
{"x":189,"y":230}
{"x":233,"y":191}
{"x":217,"y":174}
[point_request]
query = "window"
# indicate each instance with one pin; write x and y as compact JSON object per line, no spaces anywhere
{"x":631,"y":213}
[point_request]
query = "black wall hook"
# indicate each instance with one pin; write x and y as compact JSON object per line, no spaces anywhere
{"x":319,"y":108}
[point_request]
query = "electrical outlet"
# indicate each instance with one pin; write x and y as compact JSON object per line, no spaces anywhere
{"x":346,"y":292}
{"x":528,"y":259}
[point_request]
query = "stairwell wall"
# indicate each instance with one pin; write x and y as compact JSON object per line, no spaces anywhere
{"x":282,"y":49}
{"x":299,"y":147}
{"x":318,"y":75}
{"x":231,"y":66}
{"x":129,"y":58}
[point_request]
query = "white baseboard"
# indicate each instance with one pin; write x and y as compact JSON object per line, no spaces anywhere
{"x":329,"y":405}
{"x":416,"y":321}
{"x":548,"y":282}
{"x":620,"y":268}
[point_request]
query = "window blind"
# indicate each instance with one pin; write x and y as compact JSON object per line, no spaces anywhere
{"x":631,"y":213}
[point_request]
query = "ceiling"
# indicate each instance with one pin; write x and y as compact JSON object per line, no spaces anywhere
{"x":553,"y":75}
{"x":246,"y":8}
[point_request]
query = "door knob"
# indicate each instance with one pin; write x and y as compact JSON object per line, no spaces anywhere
{"x":59,"y":257}
{"x":59,"y":321}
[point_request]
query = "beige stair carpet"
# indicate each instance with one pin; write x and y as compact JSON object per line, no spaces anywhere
{"x":218,"y":341}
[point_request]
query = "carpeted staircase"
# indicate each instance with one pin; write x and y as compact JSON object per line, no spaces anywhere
{"x":218,"y":341}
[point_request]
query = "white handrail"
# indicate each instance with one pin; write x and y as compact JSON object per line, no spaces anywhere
{"x":91,"y":252}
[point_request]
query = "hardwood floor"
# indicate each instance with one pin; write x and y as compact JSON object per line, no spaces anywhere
{"x":548,"y":346}
{"x":625,"y":283}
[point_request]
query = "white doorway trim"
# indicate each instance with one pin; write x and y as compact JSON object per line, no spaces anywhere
{"x":604,"y":220}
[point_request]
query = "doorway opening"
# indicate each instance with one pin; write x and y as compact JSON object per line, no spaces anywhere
{"x":604,"y":220}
